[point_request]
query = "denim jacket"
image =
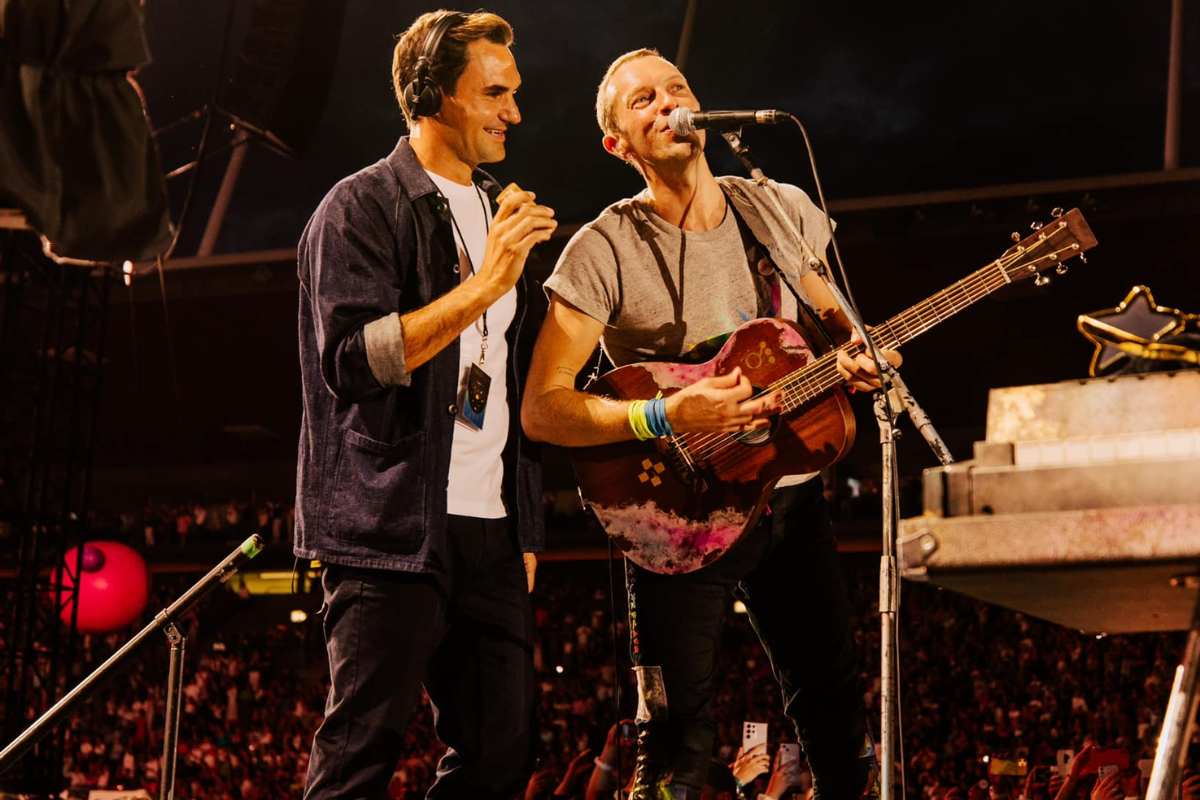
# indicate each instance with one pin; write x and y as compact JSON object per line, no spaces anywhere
{"x":374,"y":460}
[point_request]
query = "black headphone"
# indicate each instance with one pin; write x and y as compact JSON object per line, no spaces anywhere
{"x":423,"y":96}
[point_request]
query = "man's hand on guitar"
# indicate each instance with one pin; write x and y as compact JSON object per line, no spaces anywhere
{"x":722,"y":403}
{"x":860,"y":372}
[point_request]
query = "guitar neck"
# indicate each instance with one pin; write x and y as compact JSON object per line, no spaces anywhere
{"x":908,"y":325}
{"x":821,"y":375}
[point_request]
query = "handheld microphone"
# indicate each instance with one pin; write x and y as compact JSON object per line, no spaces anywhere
{"x":684,"y":122}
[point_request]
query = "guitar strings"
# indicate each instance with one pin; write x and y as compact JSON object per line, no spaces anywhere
{"x":822,"y":374}
{"x":811,"y":380}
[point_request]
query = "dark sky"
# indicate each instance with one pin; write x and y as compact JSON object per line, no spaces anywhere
{"x":897,"y":97}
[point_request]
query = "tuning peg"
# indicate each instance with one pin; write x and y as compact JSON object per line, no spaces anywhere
{"x":1016,"y":237}
{"x":1037,"y":226}
{"x":1061,"y":269}
{"x":1041,"y":280}
{"x":1056,"y":212}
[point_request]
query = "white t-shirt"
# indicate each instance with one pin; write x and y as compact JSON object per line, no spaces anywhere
{"x":476,"y":471}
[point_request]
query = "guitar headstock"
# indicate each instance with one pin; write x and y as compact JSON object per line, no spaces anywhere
{"x":1049,"y":246}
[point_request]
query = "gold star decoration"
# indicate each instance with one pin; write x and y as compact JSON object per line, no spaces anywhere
{"x":1137,"y":318}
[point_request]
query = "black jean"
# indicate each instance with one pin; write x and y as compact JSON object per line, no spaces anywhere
{"x":788,"y":573}
{"x":467,"y":637}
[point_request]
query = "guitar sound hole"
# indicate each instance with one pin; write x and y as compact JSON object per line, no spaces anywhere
{"x":760,"y":436}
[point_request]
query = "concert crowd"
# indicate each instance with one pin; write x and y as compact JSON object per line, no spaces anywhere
{"x":983,"y":689}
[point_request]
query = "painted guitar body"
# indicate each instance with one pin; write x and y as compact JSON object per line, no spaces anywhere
{"x":675,"y":505}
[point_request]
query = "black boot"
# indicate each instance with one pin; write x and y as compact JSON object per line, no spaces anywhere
{"x":652,"y":773}
{"x":859,"y":776}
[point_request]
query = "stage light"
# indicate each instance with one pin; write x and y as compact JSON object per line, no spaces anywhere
{"x":298,"y":616}
{"x":739,"y":607}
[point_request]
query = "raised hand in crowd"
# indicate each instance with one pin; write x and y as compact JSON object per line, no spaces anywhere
{"x":979,"y":791}
{"x":604,"y":777}
{"x":1074,"y":773}
{"x":539,"y":784}
{"x":1035,"y":785}
{"x":1030,"y":783}
{"x":579,"y":766}
{"x":1109,"y":788}
{"x":748,"y":766}
{"x":784,"y":775}
{"x":1055,"y":784}
{"x":1191,"y":785}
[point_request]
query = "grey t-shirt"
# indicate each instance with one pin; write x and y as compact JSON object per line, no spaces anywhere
{"x":666,"y":294}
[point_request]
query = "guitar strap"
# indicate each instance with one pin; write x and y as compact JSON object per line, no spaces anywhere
{"x":767,"y":277}
{"x":635,"y":646}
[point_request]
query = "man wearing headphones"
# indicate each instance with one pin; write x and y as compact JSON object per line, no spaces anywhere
{"x":415,"y":487}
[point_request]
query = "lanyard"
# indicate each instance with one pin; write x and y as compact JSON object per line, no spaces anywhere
{"x":487,"y":226}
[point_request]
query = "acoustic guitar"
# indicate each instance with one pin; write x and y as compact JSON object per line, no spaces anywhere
{"x":675,"y":504}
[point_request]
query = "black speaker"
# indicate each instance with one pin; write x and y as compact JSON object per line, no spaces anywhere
{"x":283,"y":78}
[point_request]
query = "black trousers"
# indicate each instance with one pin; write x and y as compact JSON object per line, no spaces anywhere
{"x":788,"y":573}
{"x":467,"y":637}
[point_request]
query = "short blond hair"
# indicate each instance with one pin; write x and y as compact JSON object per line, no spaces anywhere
{"x":450,"y":60}
{"x":606,"y":115}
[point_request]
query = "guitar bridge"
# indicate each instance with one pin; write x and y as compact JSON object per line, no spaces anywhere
{"x":686,"y":466}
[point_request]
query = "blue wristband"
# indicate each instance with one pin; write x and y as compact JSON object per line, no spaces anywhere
{"x":656,"y":416}
{"x":662,"y":415}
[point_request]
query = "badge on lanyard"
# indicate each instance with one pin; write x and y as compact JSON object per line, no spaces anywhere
{"x":474,"y":405}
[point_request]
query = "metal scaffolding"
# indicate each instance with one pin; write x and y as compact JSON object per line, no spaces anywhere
{"x":51,"y":343}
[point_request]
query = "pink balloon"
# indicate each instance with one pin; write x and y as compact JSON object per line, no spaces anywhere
{"x":111,"y":597}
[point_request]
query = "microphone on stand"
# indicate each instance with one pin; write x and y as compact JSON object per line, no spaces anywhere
{"x":684,"y":121}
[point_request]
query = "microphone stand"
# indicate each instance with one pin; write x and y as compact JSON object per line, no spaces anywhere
{"x":894,"y":398}
{"x":901,"y":399}
{"x":890,"y":401}
{"x":164,"y":621}
{"x":734,"y":138}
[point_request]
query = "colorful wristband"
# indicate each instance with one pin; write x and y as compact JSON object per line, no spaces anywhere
{"x":656,"y":415}
{"x":638,"y":422}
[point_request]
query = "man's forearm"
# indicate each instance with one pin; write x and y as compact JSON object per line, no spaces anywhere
{"x":831,"y":314}
{"x":430,"y":329}
{"x":571,"y":418}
